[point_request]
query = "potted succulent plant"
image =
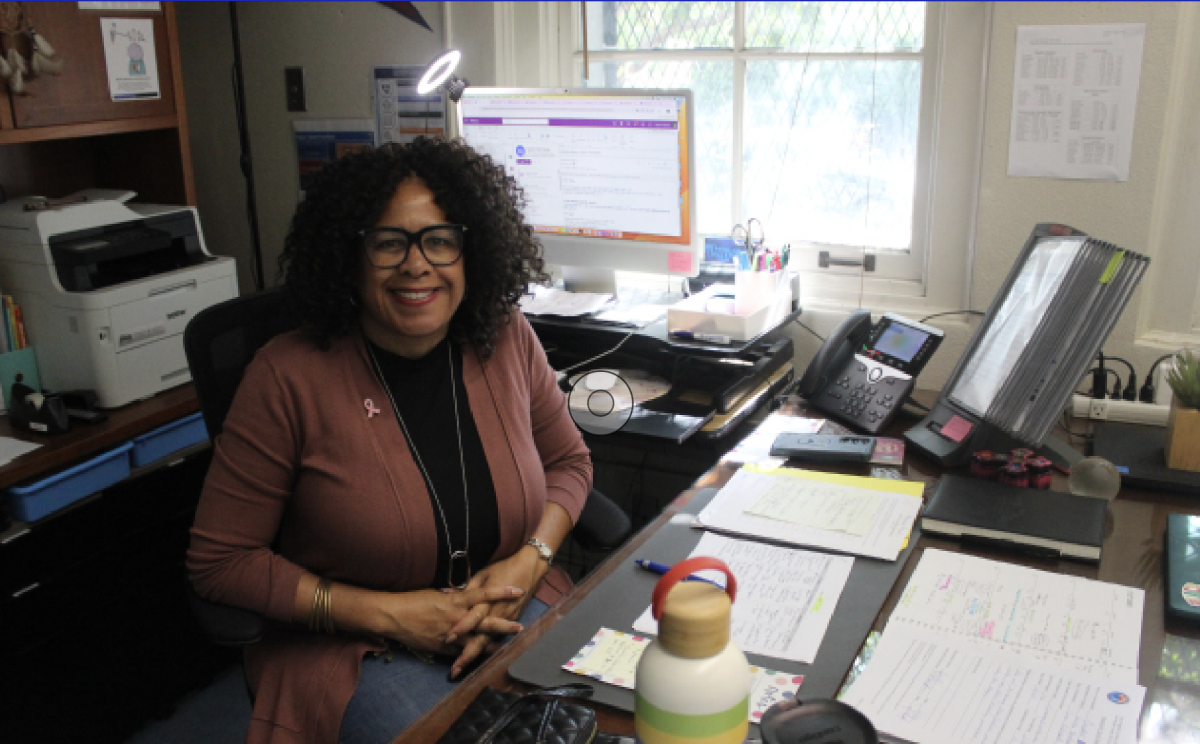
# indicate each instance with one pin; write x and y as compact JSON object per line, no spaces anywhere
{"x":1182,"y":446}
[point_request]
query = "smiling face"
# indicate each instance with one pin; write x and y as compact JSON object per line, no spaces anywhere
{"x":407,"y":309}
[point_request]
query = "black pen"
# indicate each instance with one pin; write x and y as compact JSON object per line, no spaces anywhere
{"x":661,"y":569}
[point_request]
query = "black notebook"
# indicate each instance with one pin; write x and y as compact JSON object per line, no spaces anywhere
{"x":1045,"y":524}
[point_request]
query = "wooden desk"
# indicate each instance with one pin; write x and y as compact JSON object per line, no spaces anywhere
{"x":1132,"y":556}
{"x":83,"y":440}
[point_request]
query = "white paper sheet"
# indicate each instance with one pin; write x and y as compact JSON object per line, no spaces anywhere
{"x":10,"y":449}
{"x":785,"y":597}
{"x":552,"y":301}
{"x":130,"y":59}
{"x":1074,"y":99}
{"x":1072,"y":622}
{"x":937,"y":689}
{"x":900,"y":501}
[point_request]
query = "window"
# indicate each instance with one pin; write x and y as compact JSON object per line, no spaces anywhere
{"x":816,"y":118}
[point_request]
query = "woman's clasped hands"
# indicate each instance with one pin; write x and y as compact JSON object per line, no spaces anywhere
{"x":444,"y":622}
{"x":521,"y":570}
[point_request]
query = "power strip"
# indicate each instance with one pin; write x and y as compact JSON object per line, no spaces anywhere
{"x":1127,"y":411}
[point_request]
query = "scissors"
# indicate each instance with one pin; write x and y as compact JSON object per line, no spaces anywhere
{"x":750,"y":238}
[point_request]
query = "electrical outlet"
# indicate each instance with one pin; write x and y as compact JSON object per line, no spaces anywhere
{"x":1098,"y":409}
{"x":293,"y":81}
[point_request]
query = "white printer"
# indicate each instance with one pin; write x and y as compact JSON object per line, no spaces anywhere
{"x":106,"y":288}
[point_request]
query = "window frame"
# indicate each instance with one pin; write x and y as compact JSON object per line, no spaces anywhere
{"x":935,"y":274}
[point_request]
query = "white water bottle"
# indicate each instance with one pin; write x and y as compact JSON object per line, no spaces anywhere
{"x":693,"y":682}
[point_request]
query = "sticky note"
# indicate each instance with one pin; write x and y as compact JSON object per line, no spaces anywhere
{"x":679,"y":261}
{"x":612,"y":657}
{"x":956,"y":428}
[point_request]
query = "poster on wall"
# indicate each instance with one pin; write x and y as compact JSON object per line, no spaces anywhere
{"x":129,"y":55}
{"x":1074,"y":100}
{"x":400,"y":113}
{"x":321,"y":141}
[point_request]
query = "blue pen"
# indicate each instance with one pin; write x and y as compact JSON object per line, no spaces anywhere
{"x":660,"y":569}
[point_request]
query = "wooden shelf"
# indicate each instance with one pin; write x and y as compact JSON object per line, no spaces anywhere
{"x":90,"y":129}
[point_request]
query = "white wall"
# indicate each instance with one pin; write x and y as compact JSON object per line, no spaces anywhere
{"x":337,"y":44}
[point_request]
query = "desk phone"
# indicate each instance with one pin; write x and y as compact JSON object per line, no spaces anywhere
{"x":863,"y":372}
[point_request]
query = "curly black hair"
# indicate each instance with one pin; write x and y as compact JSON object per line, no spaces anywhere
{"x":322,"y":253}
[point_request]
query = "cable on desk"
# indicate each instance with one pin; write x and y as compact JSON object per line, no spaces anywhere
{"x":1112,"y":372}
{"x":819,"y":336}
{"x":1146,"y":394}
{"x":952,"y":312}
{"x":1130,"y":391}
{"x":1066,"y":426}
{"x":565,"y":370}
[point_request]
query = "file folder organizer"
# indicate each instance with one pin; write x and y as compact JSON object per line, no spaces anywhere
{"x":618,"y":601}
{"x":1052,"y":314}
{"x":42,"y":498}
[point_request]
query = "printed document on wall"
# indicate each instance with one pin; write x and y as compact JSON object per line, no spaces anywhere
{"x":130,"y":57}
{"x":1074,"y":99}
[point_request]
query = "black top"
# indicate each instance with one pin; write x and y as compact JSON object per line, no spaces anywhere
{"x":421,"y":389}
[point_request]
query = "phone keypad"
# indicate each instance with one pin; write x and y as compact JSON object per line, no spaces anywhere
{"x":866,"y":399}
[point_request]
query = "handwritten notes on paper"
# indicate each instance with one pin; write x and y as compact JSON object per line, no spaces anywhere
{"x":785,"y":599}
{"x":933,"y":689}
{"x":822,"y":506}
{"x":983,"y":652}
{"x":1072,"y":622}
{"x":612,"y":657}
{"x":731,"y":510}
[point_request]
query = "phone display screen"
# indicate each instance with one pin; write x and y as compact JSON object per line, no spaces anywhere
{"x":900,"y":342}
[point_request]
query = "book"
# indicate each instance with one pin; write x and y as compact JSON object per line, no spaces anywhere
{"x":1045,"y":524}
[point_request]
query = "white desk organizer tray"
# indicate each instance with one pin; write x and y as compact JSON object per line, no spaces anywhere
{"x":714,"y":311}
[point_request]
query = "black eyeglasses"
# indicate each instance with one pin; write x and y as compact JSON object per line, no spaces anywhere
{"x":387,"y":247}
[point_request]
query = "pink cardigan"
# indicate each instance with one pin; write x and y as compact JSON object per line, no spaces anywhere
{"x":303,"y":477}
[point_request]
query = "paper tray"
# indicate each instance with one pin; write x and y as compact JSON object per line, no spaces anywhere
{"x":37,"y":500}
{"x":172,"y":437}
{"x":711,"y":311}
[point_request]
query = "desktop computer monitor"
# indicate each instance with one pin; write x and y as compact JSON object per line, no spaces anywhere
{"x":607,"y":175}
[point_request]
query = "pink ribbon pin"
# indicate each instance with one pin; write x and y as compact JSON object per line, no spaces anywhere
{"x":371,"y":409}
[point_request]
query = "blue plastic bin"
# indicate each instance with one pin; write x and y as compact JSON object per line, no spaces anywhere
{"x":32,"y":502}
{"x":172,"y":437}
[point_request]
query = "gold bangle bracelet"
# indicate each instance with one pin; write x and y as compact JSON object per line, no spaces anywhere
{"x":328,"y":613}
{"x":320,"y":618}
{"x":313,"y":609}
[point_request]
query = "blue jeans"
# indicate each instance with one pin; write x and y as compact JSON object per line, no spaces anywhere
{"x":392,"y":695}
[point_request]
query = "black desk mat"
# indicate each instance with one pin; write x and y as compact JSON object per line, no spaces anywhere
{"x":622,"y":597}
{"x":1140,"y":449}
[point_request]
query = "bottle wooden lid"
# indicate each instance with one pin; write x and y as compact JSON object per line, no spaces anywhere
{"x":695,"y":620}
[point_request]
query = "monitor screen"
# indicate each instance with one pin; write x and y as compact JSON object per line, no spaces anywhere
{"x":606,"y":173}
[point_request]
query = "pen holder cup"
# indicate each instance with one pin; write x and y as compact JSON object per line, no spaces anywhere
{"x":753,"y":290}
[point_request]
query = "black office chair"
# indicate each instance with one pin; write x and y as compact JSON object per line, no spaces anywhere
{"x":219,"y":342}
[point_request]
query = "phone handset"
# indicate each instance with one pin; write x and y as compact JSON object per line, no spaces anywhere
{"x":835,"y":352}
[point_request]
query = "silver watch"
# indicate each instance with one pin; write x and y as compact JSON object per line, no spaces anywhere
{"x":544,"y":551}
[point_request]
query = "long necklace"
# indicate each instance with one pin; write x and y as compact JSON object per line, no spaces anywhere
{"x":456,"y":556}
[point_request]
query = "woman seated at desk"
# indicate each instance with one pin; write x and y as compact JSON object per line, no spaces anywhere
{"x":393,"y":477}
